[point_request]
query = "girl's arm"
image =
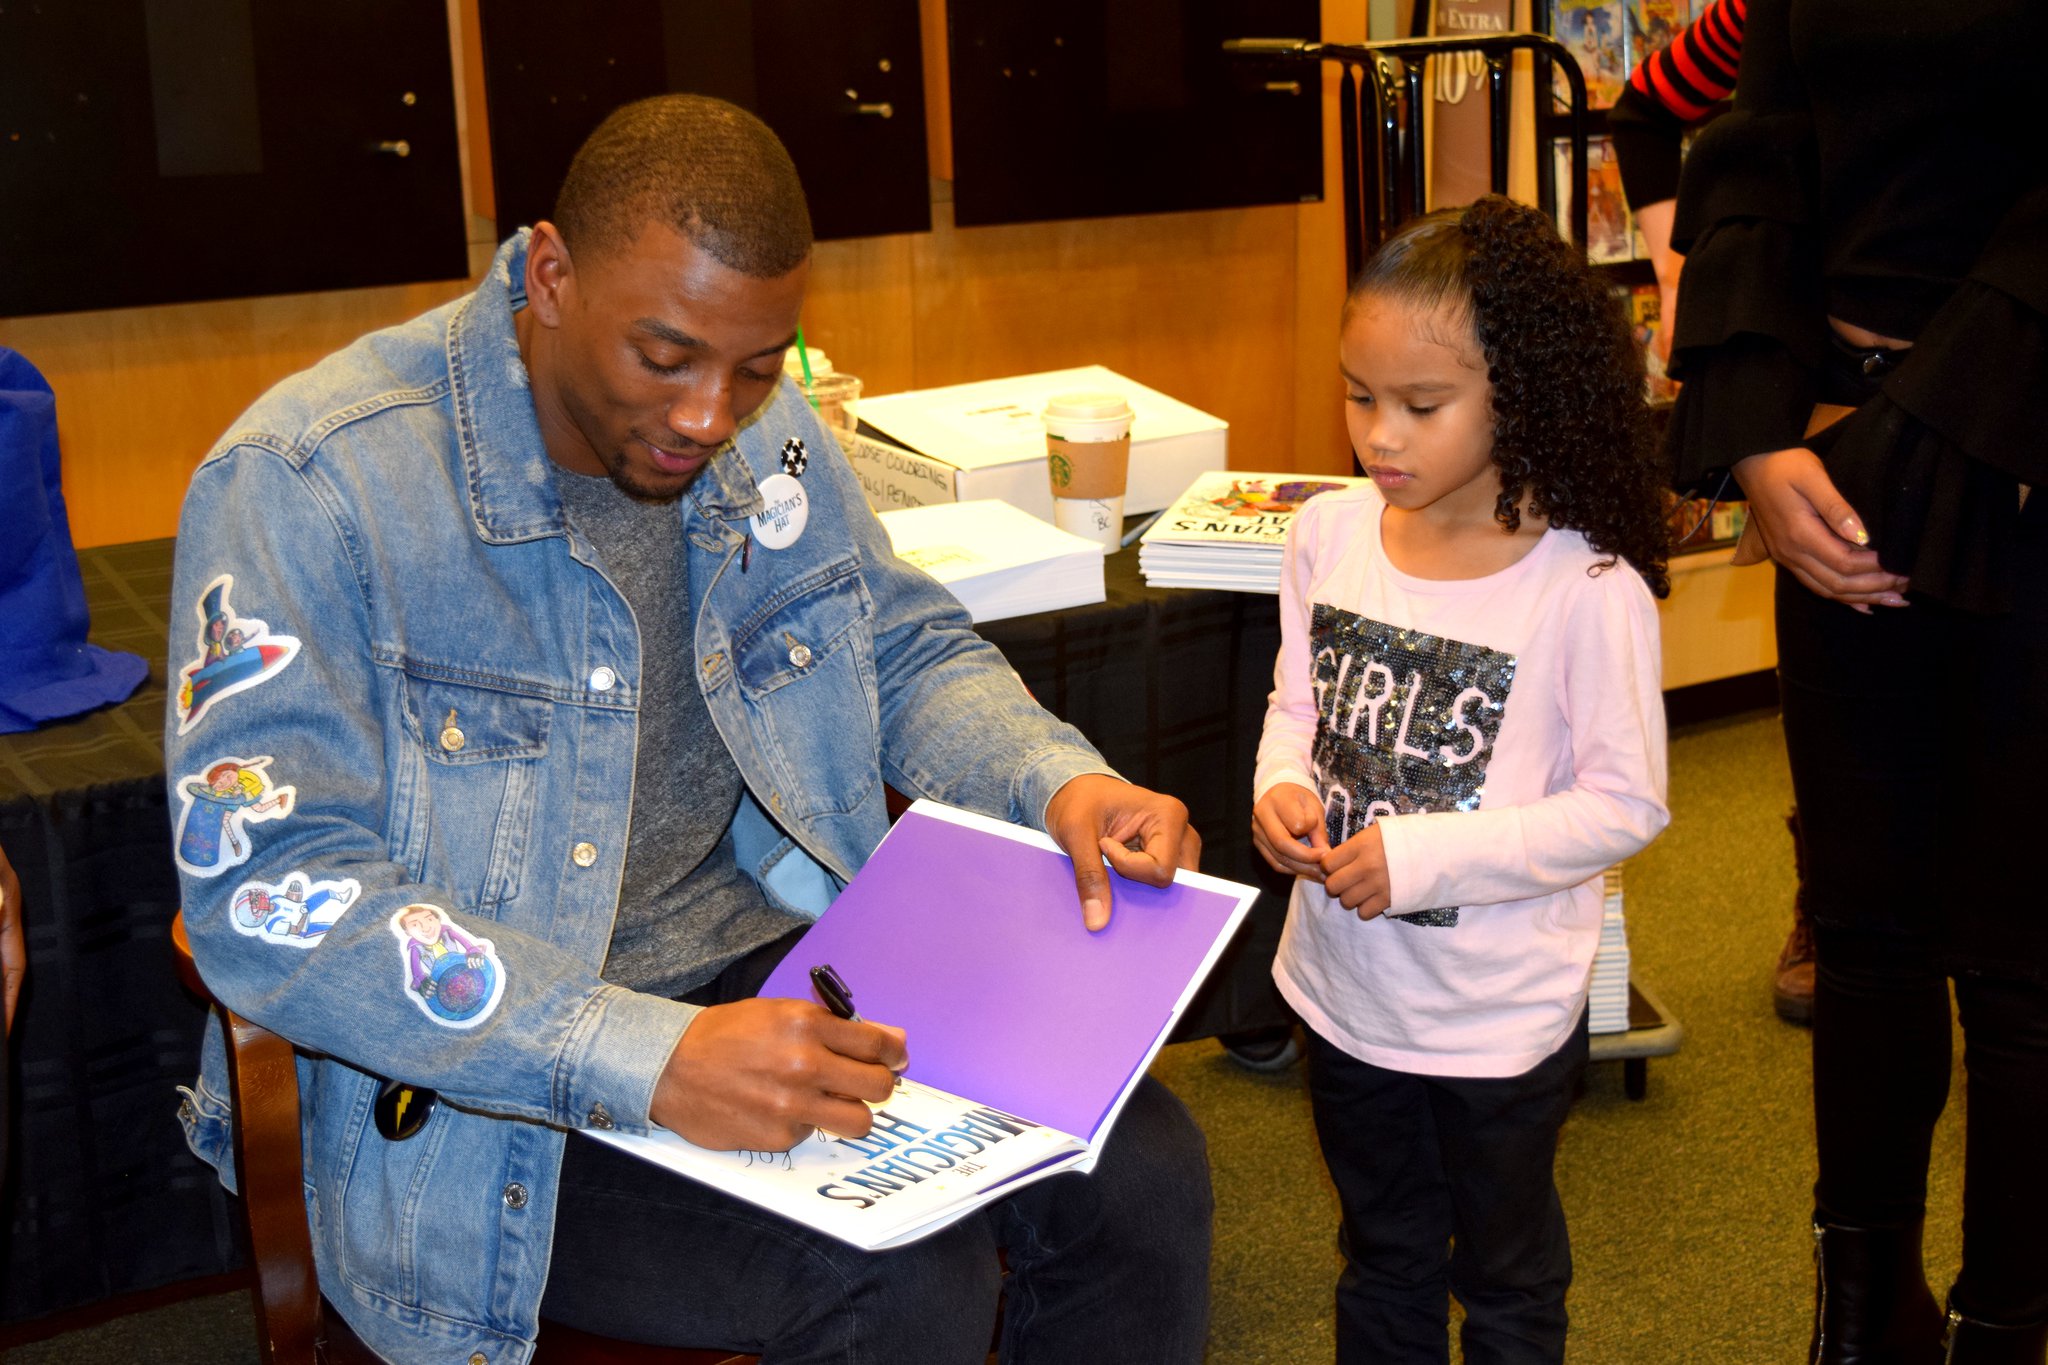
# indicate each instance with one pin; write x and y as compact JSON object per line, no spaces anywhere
{"x":1614,"y":712}
{"x":1290,"y":729}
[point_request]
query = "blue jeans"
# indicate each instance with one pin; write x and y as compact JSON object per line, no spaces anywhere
{"x":1446,"y":1187}
{"x":1113,"y":1265}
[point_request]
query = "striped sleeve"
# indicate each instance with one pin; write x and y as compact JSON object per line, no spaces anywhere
{"x":1698,"y":70}
{"x":1670,"y":90}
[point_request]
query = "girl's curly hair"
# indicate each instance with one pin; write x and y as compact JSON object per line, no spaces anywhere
{"x":1570,"y":427}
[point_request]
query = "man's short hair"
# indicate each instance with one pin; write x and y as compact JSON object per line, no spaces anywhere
{"x":708,"y":169}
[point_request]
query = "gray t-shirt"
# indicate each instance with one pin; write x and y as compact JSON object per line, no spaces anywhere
{"x":685,"y":908}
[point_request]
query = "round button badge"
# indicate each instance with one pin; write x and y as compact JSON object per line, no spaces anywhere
{"x":784,"y":510}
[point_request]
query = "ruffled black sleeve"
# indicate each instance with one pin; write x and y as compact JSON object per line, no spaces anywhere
{"x":1649,"y":142}
{"x":1752,"y":331}
{"x":1752,"y":326}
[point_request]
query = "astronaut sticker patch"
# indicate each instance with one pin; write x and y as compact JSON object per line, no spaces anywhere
{"x":456,"y":980}
{"x":298,"y":910}
{"x":235,"y":654}
{"x":221,"y":802}
{"x":1405,"y":722}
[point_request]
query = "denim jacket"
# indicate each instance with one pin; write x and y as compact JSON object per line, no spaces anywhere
{"x":402,"y":680}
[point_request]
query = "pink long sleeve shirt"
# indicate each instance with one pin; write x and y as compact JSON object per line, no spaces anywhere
{"x":1506,"y":733}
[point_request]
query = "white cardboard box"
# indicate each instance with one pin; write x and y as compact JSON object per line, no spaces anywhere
{"x":984,"y":440}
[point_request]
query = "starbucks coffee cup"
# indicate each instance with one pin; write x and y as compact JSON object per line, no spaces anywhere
{"x":1087,"y":459}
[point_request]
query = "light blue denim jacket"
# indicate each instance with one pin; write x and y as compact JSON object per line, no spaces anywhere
{"x":435,"y":664}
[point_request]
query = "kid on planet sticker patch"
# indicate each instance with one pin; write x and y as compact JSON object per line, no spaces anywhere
{"x":455,"y":980}
{"x":221,"y":802}
{"x":235,"y":654}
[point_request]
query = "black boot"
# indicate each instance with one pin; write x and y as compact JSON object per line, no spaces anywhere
{"x":1971,"y":1342}
{"x":1873,"y":1306}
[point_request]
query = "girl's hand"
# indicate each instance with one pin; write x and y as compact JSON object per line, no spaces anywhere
{"x":1810,"y":528}
{"x":1287,"y":828}
{"x":1355,"y":872}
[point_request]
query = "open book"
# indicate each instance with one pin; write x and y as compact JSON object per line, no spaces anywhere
{"x":1026,"y":1032}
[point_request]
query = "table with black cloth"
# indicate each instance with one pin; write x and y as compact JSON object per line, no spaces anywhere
{"x":101,"y":1196}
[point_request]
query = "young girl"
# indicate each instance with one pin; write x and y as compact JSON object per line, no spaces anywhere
{"x":1466,"y":729}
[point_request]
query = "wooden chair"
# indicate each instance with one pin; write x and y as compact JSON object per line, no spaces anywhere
{"x":294,"y":1325}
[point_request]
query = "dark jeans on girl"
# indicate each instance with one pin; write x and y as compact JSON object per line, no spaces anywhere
{"x":1446,"y":1187}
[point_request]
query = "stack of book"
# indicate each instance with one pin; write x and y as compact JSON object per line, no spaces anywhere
{"x":1228,"y":530}
{"x":1607,"y":1007}
{"x":997,"y":559}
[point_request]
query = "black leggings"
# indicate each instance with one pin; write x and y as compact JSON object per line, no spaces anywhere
{"x":1918,"y":738}
{"x":1880,"y":1080}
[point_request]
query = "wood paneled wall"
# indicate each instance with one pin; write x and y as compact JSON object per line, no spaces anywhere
{"x":1234,"y":311}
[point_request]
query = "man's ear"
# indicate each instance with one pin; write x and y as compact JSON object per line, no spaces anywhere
{"x":547,"y":273}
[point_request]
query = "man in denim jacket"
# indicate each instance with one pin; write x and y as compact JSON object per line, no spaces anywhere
{"x":549,"y":735}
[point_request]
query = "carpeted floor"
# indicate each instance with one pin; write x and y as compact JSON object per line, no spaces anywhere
{"x":1688,"y":1209}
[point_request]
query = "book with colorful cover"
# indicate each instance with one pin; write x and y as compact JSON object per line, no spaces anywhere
{"x":1026,"y":1032}
{"x":1595,"y":32}
{"x":1646,"y":321}
{"x":1610,"y":228}
{"x":1652,"y":25}
{"x":1239,"y":508}
{"x":1228,"y":530}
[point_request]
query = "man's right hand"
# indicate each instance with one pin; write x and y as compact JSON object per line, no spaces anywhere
{"x":1809,"y":527}
{"x":759,"y":1075}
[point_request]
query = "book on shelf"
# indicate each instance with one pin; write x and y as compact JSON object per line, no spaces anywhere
{"x":1611,"y":38}
{"x":1026,"y":1032}
{"x":1611,"y":235}
{"x":1652,"y":25}
{"x":1703,"y":523}
{"x":1596,"y":33}
{"x":1228,"y":530}
{"x":999,"y":560}
{"x":1645,"y":304}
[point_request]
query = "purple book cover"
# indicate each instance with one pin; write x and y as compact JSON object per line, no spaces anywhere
{"x":967,"y":934}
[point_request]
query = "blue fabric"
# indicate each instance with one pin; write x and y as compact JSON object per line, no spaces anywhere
{"x":383,"y":535}
{"x":47,"y":670}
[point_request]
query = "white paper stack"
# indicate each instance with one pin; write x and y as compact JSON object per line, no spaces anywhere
{"x":997,"y":559}
{"x":1229,"y":530}
{"x":1607,"y":1007}
{"x":987,"y":440}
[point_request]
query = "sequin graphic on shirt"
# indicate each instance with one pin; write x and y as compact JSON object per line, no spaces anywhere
{"x":1405,"y":723}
